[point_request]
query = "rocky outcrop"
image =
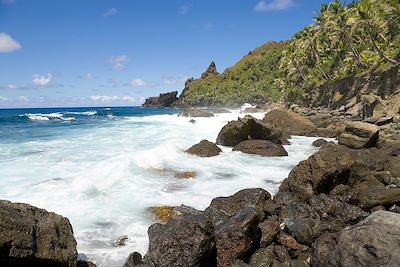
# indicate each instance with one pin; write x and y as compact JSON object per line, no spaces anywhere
{"x":263,"y":148}
{"x":33,"y":237}
{"x":204,"y":149}
{"x":290,"y":122}
{"x":319,"y":142}
{"x":196,"y":112}
{"x":248,"y":128}
{"x":161,"y":101}
{"x":359,"y":135}
{"x":210,"y":71}
{"x":166,"y":213}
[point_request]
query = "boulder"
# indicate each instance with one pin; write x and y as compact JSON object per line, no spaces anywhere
{"x":163,"y":100}
{"x":372,"y":242}
{"x":186,"y":241}
{"x":320,"y":173}
{"x":247,"y":128}
{"x":290,"y":122}
{"x":270,"y":229}
{"x":135,"y":259}
{"x":263,"y":148}
{"x":166,"y":213}
{"x":204,"y":149}
{"x":196,"y":112}
{"x":319,"y":142}
{"x":33,"y":237}
{"x":359,"y":135}
{"x":263,"y":257}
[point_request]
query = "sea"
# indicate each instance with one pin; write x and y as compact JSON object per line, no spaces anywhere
{"x":103,"y":168}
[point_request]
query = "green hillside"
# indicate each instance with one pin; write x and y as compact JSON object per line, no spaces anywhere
{"x":344,"y":40}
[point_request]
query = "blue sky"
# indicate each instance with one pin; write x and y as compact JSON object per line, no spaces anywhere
{"x":106,"y":53}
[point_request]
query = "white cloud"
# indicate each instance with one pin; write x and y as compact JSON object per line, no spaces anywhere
{"x":8,"y":44}
{"x":3,"y":99}
{"x":273,"y":5}
{"x":129,"y":99}
{"x":184,"y":9}
{"x":44,"y":80}
{"x":23,"y":99}
{"x":111,"y":12}
{"x":11,"y":86}
{"x":118,"y":62}
{"x":86,"y":76}
{"x":103,"y":98}
{"x":139,"y":83}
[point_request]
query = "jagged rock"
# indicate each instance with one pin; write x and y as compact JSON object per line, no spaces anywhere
{"x":359,"y":135}
{"x":33,"y":237}
{"x":270,"y":229}
{"x":320,"y":173}
{"x":186,"y":241}
{"x":289,"y":242}
{"x":166,"y":213}
{"x":211,"y":71}
{"x":384,"y":120}
{"x":369,"y":196}
{"x":196,"y":112}
{"x":121,"y":241}
{"x":222,"y":209}
{"x":290,"y":122}
{"x":247,"y":128}
{"x":319,"y":142}
{"x":204,"y":149}
{"x":163,"y":100}
{"x":372,"y":242}
{"x":263,"y":257}
{"x":263,"y":148}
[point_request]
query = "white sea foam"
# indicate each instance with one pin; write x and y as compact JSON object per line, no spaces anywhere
{"x":48,"y":116}
{"x":104,"y":178}
{"x":86,"y":113}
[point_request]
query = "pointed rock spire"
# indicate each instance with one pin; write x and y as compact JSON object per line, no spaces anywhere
{"x":211,"y":71}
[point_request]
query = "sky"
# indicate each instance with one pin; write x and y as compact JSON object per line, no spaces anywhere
{"x":70,"y":53}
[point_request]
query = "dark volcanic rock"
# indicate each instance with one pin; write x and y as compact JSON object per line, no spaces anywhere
{"x":161,"y":101}
{"x":210,"y":71}
{"x":270,"y":229}
{"x":290,"y":122}
{"x":247,"y":128}
{"x":196,"y":112}
{"x":263,"y":148}
{"x":204,"y":149}
{"x":135,"y":259}
{"x":359,"y":135}
{"x":319,"y":142}
{"x":33,"y":237}
{"x":186,"y":241}
{"x":372,"y":242}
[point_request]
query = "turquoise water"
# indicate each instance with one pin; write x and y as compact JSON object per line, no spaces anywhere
{"x":103,"y":167}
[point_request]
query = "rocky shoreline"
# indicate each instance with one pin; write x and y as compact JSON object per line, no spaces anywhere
{"x":340,"y":207}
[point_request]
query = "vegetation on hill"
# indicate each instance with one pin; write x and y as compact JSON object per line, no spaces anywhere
{"x":344,"y":40}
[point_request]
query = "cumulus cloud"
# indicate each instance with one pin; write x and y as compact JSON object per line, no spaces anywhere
{"x":42,"y":80}
{"x":273,"y":5}
{"x":86,"y":77}
{"x":139,"y":83}
{"x":23,"y":99}
{"x":8,"y":44}
{"x":118,"y":62}
{"x":111,"y":12}
{"x":3,"y":99}
{"x":129,"y":99}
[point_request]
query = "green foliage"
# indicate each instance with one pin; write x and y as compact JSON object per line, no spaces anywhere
{"x":343,"y":41}
{"x":250,"y":80}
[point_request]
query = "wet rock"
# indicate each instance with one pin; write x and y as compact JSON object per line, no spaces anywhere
{"x":185,"y":174}
{"x":320,"y":173}
{"x":204,"y":149}
{"x":359,"y":135}
{"x":247,"y":128}
{"x":372,"y":242}
{"x":186,"y":241}
{"x":195,"y":112}
{"x":319,"y":142}
{"x":270,"y":229}
{"x":121,"y":241}
{"x":235,"y":238}
{"x":222,"y":209}
{"x":166,"y":213}
{"x":135,"y":259}
{"x":163,"y":100}
{"x":192,"y":121}
{"x":33,"y":237}
{"x":290,"y":122}
{"x":263,"y":148}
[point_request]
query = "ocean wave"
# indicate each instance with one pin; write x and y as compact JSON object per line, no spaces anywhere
{"x":85,"y":113}
{"x":47,"y":117}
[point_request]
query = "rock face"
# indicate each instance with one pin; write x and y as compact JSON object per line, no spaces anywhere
{"x":263,"y":148}
{"x":290,"y":122}
{"x":210,"y":71}
{"x":204,"y":149}
{"x":372,"y":242}
{"x":161,"y":101}
{"x":186,"y":241}
{"x":196,"y":112}
{"x":33,"y":237}
{"x":359,"y":135}
{"x":247,"y":128}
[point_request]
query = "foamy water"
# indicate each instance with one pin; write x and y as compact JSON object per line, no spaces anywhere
{"x":105,"y":175}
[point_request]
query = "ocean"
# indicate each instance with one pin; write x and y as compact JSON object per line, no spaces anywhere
{"x":104,"y":167}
